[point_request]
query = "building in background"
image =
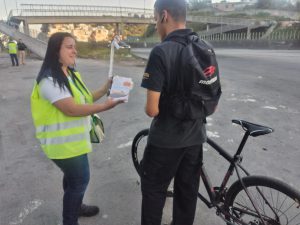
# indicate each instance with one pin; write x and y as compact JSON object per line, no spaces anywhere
{"x":231,"y":5}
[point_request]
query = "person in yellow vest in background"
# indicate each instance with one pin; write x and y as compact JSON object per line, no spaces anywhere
{"x":12,"y":50}
{"x":61,"y":106}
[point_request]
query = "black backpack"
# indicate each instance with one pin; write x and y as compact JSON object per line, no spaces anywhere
{"x":197,"y":93}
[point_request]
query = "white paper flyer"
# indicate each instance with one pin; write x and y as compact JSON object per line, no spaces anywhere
{"x":120,"y":88}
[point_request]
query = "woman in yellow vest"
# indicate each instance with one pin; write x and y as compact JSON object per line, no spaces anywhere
{"x":61,"y":106}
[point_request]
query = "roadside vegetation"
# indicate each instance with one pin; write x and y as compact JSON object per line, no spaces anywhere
{"x":100,"y":50}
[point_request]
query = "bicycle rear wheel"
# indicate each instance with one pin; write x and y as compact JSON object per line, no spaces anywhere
{"x":137,"y":149}
{"x":277,"y":202}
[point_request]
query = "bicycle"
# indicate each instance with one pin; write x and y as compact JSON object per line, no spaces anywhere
{"x":251,"y":200}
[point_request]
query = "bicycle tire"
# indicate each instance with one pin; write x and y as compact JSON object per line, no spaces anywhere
{"x":271,"y":197}
{"x":134,"y":149}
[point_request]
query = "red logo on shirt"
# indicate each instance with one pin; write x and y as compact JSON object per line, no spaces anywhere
{"x":209,"y":71}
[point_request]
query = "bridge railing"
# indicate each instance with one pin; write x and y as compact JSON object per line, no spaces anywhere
{"x":80,"y":10}
{"x":284,"y":35}
{"x":230,"y":21}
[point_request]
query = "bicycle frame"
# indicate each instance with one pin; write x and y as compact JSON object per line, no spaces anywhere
{"x":215,"y":197}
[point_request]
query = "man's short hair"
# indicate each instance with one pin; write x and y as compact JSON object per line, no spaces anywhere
{"x":177,"y":8}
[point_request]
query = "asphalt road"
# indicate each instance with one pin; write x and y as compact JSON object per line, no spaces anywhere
{"x":258,"y":86}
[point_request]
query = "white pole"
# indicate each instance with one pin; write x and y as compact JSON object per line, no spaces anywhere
{"x":114,"y":44}
{"x":111,"y":61}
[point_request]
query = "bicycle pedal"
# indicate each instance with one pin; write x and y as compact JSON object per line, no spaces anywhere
{"x":216,"y":189}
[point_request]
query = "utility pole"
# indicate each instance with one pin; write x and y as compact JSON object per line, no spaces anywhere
{"x":5,"y":8}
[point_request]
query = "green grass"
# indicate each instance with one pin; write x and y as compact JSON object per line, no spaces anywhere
{"x":100,"y":51}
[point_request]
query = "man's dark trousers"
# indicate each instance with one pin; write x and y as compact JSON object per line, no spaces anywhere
{"x":159,"y":166}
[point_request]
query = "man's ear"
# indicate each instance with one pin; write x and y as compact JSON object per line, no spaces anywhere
{"x":164,"y":16}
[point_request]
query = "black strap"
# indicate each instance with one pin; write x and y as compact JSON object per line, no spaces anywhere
{"x":76,"y":80}
{"x":181,"y":84}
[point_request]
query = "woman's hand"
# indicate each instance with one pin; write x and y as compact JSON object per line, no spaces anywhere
{"x":111,"y":103}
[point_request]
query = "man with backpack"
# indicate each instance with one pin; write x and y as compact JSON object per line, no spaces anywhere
{"x":22,"y":54}
{"x":183,"y":87}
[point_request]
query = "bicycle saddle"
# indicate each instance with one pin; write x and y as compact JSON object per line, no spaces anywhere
{"x":253,"y":129}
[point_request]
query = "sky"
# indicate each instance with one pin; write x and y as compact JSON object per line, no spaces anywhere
{"x":12,"y":4}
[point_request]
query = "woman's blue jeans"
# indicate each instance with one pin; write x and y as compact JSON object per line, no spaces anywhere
{"x":76,"y":178}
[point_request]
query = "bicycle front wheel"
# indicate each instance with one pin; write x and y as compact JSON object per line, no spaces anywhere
{"x":276,"y":202}
{"x":138,"y":147}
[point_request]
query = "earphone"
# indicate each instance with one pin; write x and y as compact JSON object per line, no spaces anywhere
{"x":162,"y":19}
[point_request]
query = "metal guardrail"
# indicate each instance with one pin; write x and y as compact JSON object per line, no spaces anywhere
{"x":221,"y":29}
{"x":229,"y":21}
{"x":79,"y":10}
{"x":274,"y":36}
{"x":35,"y":45}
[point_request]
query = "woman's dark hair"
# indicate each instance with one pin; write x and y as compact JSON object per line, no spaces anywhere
{"x":177,"y":8}
{"x":51,"y":66}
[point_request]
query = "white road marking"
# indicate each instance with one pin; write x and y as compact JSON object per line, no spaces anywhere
{"x":242,"y":99}
{"x":270,"y":107}
{"x":125,"y":145}
{"x":230,"y":141}
{"x":248,"y":100}
{"x":213,"y":134}
{"x":30,"y":207}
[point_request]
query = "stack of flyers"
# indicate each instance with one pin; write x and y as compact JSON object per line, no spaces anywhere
{"x":121,"y":86}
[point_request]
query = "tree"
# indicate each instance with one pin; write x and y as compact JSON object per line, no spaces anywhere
{"x":264,"y":4}
{"x":298,"y":6}
{"x":198,"y":4}
{"x":275,"y":4}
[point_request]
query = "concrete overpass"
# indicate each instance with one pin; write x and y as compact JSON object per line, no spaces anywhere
{"x":35,"y":45}
{"x":72,"y":14}
{"x":66,"y":14}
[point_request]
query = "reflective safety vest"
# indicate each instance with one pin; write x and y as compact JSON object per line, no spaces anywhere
{"x":61,"y":136}
{"x":12,"y":48}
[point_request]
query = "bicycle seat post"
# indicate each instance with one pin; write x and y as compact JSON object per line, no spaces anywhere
{"x":242,"y":144}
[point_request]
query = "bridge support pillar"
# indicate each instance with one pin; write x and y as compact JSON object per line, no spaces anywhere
{"x":26,"y":27}
{"x":207,"y":27}
{"x":119,"y":28}
{"x":248,"y":33}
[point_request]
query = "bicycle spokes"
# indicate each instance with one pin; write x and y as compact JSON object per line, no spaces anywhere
{"x":275,"y":208}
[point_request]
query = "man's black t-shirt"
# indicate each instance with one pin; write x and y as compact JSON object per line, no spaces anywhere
{"x":166,"y":131}
{"x":21,"y":46}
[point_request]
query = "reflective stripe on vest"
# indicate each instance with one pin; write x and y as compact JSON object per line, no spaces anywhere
{"x":61,"y":126}
{"x":64,"y":139}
